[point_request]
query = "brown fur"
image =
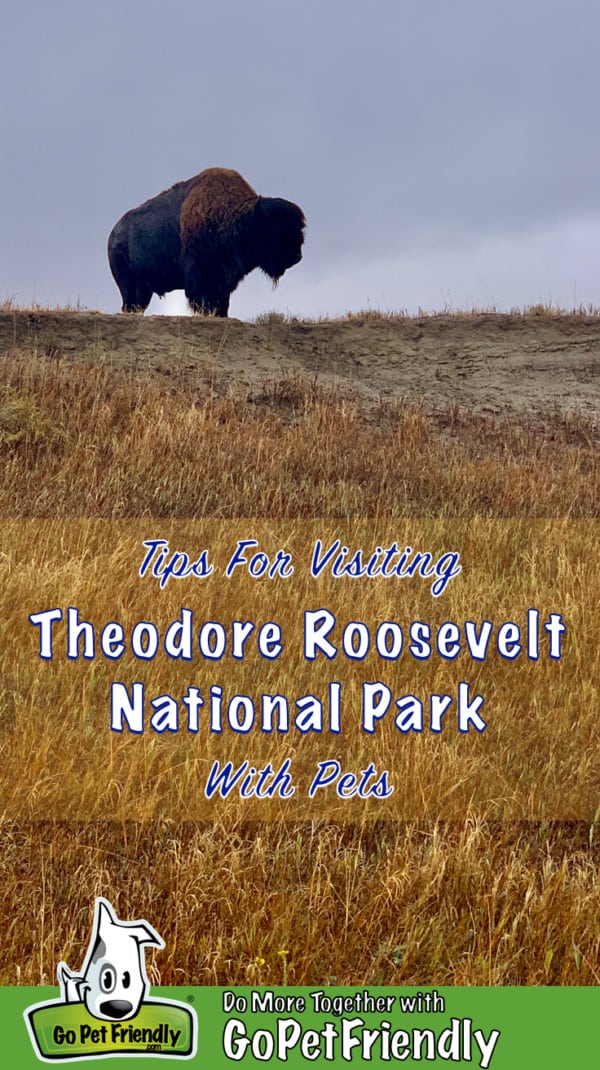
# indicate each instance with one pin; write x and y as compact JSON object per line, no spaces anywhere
{"x":218,"y":194}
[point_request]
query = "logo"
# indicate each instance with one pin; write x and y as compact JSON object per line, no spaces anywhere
{"x":105,"y":1010}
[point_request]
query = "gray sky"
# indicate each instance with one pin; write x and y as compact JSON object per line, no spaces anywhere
{"x":445,"y":152}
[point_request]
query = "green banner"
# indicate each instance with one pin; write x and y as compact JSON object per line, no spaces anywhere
{"x":512,"y":1028}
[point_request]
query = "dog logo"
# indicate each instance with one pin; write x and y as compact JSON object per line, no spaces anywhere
{"x":113,"y":980}
{"x":106,"y":1009}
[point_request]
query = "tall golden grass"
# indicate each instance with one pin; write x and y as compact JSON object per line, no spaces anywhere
{"x":311,"y":903}
{"x":462,"y":890}
{"x":85,"y":440}
{"x":538,"y":756}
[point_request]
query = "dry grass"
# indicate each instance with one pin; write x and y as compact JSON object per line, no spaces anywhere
{"x":373,"y":315}
{"x":272,"y":316}
{"x":475,"y":901}
{"x":538,"y":756}
{"x":10,"y":304}
{"x":311,"y":904}
{"x":80,"y":440}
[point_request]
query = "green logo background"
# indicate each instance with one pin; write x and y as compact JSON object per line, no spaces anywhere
{"x":549,"y":1027}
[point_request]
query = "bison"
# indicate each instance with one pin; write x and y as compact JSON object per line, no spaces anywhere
{"x":203,"y":236}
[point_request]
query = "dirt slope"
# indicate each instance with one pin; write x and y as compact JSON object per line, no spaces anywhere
{"x":489,"y":363}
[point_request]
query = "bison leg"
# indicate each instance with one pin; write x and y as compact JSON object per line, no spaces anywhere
{"x":207,"y":300}
{"x":222,"y":306}
{"x":136,"y":296}
{"x":135,"y":293}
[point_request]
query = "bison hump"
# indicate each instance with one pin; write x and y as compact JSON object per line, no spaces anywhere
{"x":218,"y":197}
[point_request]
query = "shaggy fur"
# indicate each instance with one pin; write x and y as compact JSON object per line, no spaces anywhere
{"x":203,"y":236}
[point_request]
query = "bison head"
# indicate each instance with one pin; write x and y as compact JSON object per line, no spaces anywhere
{"x":279,"y":234}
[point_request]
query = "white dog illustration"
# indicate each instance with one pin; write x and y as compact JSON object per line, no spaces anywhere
{"x":113,"y":980}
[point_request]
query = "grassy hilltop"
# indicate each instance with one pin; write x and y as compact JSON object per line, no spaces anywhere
{"x":461,"y":426}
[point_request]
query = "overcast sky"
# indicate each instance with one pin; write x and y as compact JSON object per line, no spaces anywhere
{"x":445,"y":152}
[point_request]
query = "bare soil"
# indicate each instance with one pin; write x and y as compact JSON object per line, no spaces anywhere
{"x":530,"y":365}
